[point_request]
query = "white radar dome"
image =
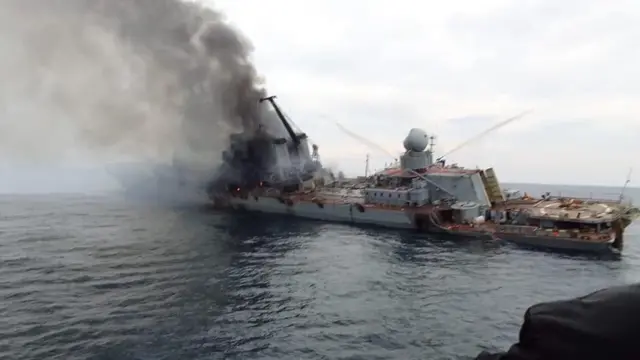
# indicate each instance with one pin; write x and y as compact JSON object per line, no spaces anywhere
{"x":417,"y":140}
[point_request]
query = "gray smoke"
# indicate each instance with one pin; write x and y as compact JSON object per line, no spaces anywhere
{"x":135,"y":79}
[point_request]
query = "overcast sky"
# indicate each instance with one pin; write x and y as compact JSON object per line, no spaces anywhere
{"x":454,"y":68}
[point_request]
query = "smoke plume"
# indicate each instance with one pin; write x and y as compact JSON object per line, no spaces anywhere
{"x":135,"y":79}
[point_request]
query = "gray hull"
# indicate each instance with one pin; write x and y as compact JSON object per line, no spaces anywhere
{"x":348,"y":213}
{"x":351,"y":213}
{"x":554,"y":243}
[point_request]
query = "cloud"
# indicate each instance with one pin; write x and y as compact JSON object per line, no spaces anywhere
{"x":380,"y":67}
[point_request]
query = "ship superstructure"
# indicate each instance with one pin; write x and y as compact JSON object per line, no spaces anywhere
{"x":392,"y":197}
{"x":262,"y":158}
{"x":401,"y":198}
{"x":419,"y":181}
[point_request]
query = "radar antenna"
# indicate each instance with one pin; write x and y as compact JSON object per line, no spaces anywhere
{"x":432,"y":143}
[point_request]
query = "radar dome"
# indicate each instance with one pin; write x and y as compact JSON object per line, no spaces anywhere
{"x":417,"y":140}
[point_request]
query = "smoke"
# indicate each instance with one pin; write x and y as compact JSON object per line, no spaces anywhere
{"x":101,"y":80}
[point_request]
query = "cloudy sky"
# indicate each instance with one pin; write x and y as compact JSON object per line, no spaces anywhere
{"x":455,"y":68}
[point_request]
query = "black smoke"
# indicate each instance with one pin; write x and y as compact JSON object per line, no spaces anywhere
{"x":165,"y":80}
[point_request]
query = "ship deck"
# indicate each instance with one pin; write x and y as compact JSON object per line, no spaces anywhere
{"x":574,"y":210}
{"x":558,"y":209}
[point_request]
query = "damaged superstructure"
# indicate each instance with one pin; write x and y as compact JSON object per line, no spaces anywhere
{"x":262,"y":159}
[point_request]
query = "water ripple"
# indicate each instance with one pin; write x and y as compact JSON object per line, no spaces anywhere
{"x":99,"y":278}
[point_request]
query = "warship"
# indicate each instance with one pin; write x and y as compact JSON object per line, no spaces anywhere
{"x":422,"y":193}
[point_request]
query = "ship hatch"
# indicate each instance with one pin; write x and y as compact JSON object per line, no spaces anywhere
{"x":446,"y":216}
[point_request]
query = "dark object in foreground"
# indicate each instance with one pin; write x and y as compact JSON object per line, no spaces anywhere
{"x":602,"y":325}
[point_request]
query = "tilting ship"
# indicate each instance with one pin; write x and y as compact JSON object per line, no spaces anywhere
{"x":424,"y":194}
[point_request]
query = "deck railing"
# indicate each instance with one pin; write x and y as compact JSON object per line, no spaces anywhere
{"x":610,"y":198}
{"x":517,"y":229}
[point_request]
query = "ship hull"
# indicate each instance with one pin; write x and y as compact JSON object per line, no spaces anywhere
{"x":467,"y":235}
{"x":397,"y":219}
{"x":554,"y":243}
{"x":339,"y":212}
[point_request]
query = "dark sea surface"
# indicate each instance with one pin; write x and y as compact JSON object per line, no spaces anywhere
{"x":97,"y":277}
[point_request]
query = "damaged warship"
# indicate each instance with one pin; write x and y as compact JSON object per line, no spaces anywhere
{"x":268,"y":174}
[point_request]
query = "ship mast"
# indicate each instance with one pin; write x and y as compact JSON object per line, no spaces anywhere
{"x":366,"y":168}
